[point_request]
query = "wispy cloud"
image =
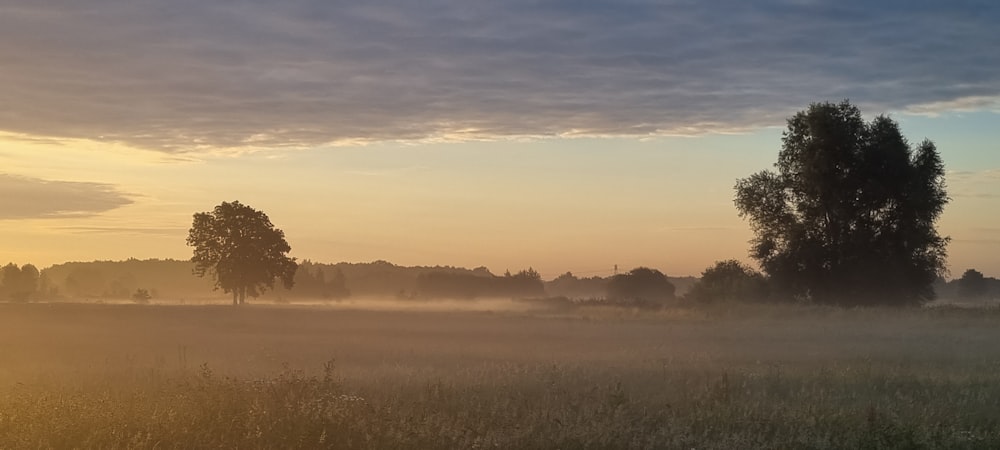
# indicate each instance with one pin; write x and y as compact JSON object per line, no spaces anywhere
{"x":385,"y":171}
{"x":190,"y":76}
{"x":707,"y":228}
{"x":975,"y":176}
{"x":964,"y":104}
{"x":979,"y":195}
{"x":977,"y":184}
{"x":30,"y":198}
{"x":978,"y":241}
{"x":127,"y":230}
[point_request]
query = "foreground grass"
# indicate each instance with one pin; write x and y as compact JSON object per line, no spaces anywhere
{"x":517,"y":407}
{"x":819,"y":380}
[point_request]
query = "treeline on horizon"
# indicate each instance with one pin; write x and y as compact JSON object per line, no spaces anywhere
{"x":173,"y":280}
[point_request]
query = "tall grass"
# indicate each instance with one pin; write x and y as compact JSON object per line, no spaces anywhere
{"x":767,"y":378}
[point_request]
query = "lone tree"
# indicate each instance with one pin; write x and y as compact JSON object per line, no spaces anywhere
{"x":242,"y":250}
{"x":849,"y":216}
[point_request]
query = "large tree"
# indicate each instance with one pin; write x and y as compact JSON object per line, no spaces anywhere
{"x":849,"y":215}
{"x":241,"y":249}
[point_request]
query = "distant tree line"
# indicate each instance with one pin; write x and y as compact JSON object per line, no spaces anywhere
{"x":172,"y":279}
{"x":312,"y":281}
{"x":145,"y":280}
{"x":120,"y":280}
{"x":523,"y":284}
{"x":971,"y":286}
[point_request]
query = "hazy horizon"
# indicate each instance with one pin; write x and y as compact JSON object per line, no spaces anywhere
{"x":167,"y":168}
{"x":557,"y":136}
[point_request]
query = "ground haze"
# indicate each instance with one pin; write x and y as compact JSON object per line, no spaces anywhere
{"x":315,"y":376}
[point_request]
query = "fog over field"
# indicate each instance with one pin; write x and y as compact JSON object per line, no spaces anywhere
{"x":310,"y":376}
{"x":445,"y":224}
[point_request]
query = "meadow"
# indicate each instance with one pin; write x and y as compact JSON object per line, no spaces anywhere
{"x":497,"y":375}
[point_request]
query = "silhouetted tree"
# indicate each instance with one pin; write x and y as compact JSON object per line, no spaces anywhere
{"x":568,"y":285}
{"x":523,"y":284}
{"x":727,"y":281}
{"x":19,"y":283}
{"x":972,"y":284}
{"x":642,"y":284}
{"x":849,"y":216}
{"x":242,"y":250}
{"x":28,"y":283}
{"x":141,"y":296}
{"x":10,"y":276}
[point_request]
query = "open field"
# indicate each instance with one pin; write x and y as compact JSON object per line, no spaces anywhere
{"x":129,"y":376}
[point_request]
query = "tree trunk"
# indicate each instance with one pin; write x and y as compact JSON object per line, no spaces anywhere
{"x":234,"y":297}
{"x":243,"y":295}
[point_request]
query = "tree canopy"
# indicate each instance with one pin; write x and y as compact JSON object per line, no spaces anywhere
{"x":973,"y":285}
{"x":849,"y":216}
{"x":728,"y":281}
{"x":641,"y":283}
{"x":241,"y":249}
{"x":19,"y":283}
{"x":469,"y":285}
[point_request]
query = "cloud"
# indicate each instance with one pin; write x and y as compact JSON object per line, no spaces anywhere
{"x":978,"y":241}
{"x":191,"y":76}
{"x":698,"y":228}
{"x":974,"y":176}
{"x":964,"y":104}
{"x":31,"y":198}
{"x":977,"y":195}
{"x":127,"y":230}
{"x":975,"y":184}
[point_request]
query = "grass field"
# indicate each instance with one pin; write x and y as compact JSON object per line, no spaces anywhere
{"x":129,"y":376}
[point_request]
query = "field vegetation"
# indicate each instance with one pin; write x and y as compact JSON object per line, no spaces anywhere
{"x":498,"y":376}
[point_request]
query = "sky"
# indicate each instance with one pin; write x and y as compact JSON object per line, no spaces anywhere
{"x":560,"y":135}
